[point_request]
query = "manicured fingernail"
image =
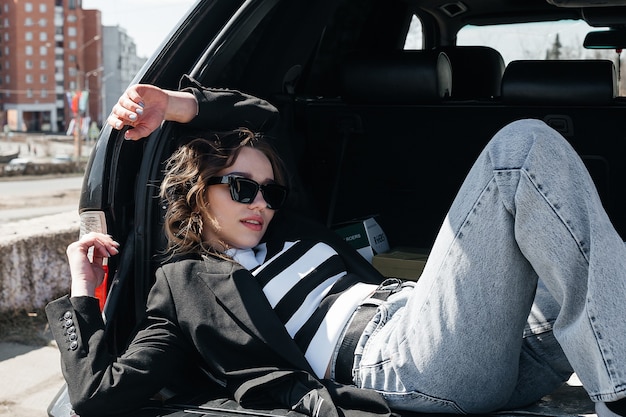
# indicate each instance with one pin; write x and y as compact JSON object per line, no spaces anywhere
{"x":118,"y":124}
{"x":139,"y":110}
{"x":141,"y":104}
{"x":126,"y":136}
{"x":132,"y":116}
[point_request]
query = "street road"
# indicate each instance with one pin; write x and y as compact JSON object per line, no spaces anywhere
{"x":31,"y":379}
{"x":30,"y":186}
{"x":27,"y":198}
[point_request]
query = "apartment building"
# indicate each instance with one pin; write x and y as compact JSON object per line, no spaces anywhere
{"x":121,"y":64}
{"x":54,"y":69}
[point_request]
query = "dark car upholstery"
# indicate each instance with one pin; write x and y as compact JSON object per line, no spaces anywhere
{"x":392,"y":148}
{"x":563,"y":82}
{"x":476,"y":71}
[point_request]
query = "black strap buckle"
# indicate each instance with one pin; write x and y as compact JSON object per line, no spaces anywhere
{"x":360,"y":318}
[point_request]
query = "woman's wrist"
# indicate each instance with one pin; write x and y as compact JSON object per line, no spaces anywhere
{"x":182,"y":106}
{"x":82,"y":289}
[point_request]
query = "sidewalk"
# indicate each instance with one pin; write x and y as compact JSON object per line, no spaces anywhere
{"x":31,"y":378}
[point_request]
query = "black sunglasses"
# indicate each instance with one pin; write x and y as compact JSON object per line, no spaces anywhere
{"x":244,"y":190}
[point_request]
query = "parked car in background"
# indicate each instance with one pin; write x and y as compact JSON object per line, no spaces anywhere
{"x":6,"y":157}
{"x":366,"y":88}
{"x":61,"y":158}
{"x":17,"y":165}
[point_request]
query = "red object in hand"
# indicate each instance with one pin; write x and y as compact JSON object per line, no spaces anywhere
{"x":101,"y":290}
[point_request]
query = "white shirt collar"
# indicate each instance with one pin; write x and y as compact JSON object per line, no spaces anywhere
{"x":249,"y":258}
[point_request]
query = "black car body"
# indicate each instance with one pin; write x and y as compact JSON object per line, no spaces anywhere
{"x":368,"y":126}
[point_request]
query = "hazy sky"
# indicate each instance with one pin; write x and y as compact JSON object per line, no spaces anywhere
{"x":148,"y":22}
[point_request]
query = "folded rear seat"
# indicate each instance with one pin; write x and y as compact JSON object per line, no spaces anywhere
{"x":383,"y":133}
{"x":405,"y":142}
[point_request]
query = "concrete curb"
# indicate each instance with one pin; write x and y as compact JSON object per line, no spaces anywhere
{"x":33,"y":265}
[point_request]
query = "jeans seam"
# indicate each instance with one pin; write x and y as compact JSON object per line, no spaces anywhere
{"x":620,"y":387}
{"x":590,"y":316}
{"x":555,"y":208}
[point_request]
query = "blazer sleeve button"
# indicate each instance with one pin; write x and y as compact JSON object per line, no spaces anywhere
{"x":73,"y":345}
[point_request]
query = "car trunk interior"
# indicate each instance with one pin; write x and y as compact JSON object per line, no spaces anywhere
{"x":359,"y":142}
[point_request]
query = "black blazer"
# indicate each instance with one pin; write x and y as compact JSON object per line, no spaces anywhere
{"x":212,"y":312}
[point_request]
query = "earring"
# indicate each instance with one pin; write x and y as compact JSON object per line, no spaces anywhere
{"x":195,"y":223}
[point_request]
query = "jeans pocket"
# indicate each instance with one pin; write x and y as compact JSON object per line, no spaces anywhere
{"x":420,"y":402}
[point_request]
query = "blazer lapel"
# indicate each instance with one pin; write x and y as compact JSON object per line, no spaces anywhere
{"x":237,"y":289}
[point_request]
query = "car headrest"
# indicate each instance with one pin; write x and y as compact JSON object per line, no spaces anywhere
{"x":402,"y":77}
{"x":476,"y":71}
{"x":568,"y":82}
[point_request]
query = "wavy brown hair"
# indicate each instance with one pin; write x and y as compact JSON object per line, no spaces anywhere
{"x":184,"y":188}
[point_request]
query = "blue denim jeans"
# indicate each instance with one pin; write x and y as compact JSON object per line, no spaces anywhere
{"x":526,"y":277}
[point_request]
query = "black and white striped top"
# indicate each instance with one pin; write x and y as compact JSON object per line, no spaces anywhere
{"x":307,"y":285}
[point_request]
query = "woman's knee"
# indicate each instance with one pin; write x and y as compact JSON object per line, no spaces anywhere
{"x":511,"y":147}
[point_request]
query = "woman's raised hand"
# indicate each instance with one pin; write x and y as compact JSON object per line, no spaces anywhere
{"x":143,"y":107}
